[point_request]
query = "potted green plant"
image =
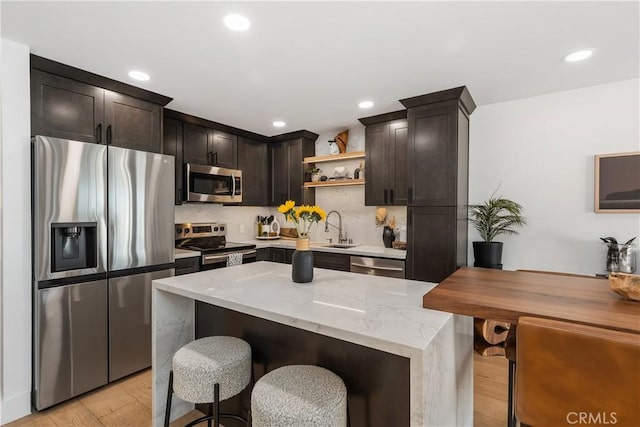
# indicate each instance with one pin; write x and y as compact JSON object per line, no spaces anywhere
{"x":315,"y":173}
{"x":495,"y":217}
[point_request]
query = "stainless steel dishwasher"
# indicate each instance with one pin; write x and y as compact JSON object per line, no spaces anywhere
{"x":377,"y":266}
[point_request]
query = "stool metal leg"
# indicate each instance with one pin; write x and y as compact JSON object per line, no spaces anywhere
{"x":167,"y":410}
{"x":216,"y":401}
{"x":210,"y":414}
{"x":511,"y":417}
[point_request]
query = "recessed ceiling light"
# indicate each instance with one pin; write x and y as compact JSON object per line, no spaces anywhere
{"x":237,"y":22}
{"x":578,"y":55}
{"x":279,"y":124}
{"x":365,"y":104}
{"x":139,"y":75}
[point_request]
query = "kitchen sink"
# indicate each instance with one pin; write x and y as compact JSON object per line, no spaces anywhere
{"x":334,"y":245}
{"x":342,"y":245}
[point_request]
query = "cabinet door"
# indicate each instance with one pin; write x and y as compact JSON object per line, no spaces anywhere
{"x":172,"y":145}
{"x":296,"y":171}
{"x":431,"y":246}
{"x":197,"y":144}
{"x":432,"y":156}
{"x":64,"y":108}
{"x":280,"y":173}
{"x":224,"y":149}
{"x":278,"y":255}
{"x":253,"y":161}
{"x":263,"y":254}
{"x":396,"y":169}
{"x":331,"y":261}
{"x":132,"y":123}
{"x":374,"y":186}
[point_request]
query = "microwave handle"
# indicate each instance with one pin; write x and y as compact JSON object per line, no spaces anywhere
{"x":233,"y":185}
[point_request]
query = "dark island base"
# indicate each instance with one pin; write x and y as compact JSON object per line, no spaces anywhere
{"x":377,"y":382}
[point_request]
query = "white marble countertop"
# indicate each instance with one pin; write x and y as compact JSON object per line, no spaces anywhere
{"x":360,"y":250}
{"x":184,"y":253}
{"x":377,"y":312}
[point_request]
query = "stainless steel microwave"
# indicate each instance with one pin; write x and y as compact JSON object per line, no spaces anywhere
{"x":213,"y":184}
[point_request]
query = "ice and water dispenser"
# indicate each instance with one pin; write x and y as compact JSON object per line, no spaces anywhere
{"x":73,"y":246}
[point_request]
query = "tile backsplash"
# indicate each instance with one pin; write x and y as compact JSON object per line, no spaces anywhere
{"x":358,"y":221}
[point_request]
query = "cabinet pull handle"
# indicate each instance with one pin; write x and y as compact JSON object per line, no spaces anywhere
{"x":215,"y":159}
{"x":410,"y":195}
{"x":391,"y":196}
{"x":109,"y":134}
{"x":385,"y":197}
{"x":210,"y":158}
{"x":99,"y":133}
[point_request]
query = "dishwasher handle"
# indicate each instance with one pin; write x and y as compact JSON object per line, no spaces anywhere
{"x":376,"y":267}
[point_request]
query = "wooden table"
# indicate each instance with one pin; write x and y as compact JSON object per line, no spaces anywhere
{"x":508,"y":295}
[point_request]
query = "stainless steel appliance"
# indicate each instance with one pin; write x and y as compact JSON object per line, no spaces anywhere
{"x":377,"y":266}
{"x":101,"y":232}
{"x":213,"y":184}
{"x":210,"y":240}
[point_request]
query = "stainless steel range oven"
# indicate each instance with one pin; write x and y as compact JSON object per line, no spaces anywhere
{"x":210,"y":240}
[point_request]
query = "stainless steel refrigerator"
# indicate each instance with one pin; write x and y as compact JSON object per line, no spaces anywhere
{"x":102,"y":230}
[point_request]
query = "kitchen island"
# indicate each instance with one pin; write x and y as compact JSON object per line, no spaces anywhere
{"x":402,"y":364}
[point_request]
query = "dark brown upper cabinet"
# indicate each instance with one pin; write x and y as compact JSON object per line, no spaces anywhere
{"x":132,"y":123}
{"x":64,"y":108}
{"x":225,"y":150}
{"x":70,"y":103}
{"x":253,"y":161}
{"x":172,"y":145}
{"x":197,"y":144}
{"x":288,"y":171}
{"x":206,"y":146}
{"x":386,"y":159}
{"x":438,"y":147}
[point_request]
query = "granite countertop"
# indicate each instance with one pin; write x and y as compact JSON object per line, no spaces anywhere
{"x":376,"y":312}
{"x":184,"y":253}
{"x":360,"y":250}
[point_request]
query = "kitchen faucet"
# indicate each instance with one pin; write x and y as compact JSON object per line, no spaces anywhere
{"x":341,"y":238}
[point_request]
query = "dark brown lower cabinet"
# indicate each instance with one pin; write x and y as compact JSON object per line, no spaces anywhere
{"x":187,"y":265}
{"x":331,"y":261}
{"x":437,"y":242}
{"x":326,"y":260}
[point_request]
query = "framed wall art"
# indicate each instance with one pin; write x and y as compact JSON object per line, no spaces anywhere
{"x":617,"y":183}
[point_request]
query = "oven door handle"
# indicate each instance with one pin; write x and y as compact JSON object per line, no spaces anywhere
{"x":209,"y":259}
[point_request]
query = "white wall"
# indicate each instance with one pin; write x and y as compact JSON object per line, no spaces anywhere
{"x":540,"y":151}
{"x":16,"y":232}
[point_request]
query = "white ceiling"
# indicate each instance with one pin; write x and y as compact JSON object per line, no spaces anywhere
{"x":310,"y":63}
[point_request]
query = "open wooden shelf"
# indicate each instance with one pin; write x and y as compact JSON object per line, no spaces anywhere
{"x":334,"y":183}
{"x":334,"y":157}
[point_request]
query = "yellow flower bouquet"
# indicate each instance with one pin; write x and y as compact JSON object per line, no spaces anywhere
{"x":303,"y":216}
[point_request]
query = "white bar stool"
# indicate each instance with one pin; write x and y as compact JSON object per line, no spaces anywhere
{"x":209,"y":370}
{"x":299,"y":395}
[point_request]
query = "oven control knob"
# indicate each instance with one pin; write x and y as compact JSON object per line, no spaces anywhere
{"x":186,"y":231}
{"x":215,"y":228}
{"x":178,"y":230}
{"x":221,"y":228}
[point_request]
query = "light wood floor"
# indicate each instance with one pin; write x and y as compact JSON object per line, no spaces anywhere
{"x":128,"y":402}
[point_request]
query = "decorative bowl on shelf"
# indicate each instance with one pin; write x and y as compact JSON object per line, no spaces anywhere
{"x":626,"y":285}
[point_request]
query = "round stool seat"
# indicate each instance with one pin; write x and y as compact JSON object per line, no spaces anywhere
{"x":200,"y":364}
{"x":299,"y":395}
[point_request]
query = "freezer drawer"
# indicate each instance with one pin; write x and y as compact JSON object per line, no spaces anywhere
{"x":70,"y":346}
{"x":130,"y":322}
